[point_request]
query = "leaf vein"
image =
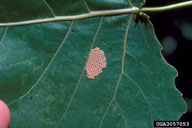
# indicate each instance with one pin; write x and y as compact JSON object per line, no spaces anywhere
{"x":145,"y":98}
{"x":122,"y":113}
{"x":75,"y":17}
{"x":3,"y":37}
{"x":122,"y":70}
{"x":46,"y":69}
{"x":145,"y":41}
{"x":77,"y":85}
{"x":49,"y":7}
{"x":87,"y":6}
{"x":130,"y":3}
{"x":19,"y":113}
{"x":142,"y":64}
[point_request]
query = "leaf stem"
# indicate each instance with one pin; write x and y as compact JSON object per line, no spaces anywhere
{"x":168,"y":7}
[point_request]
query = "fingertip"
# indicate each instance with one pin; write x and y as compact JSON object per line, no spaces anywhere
{"x":5,"y":115}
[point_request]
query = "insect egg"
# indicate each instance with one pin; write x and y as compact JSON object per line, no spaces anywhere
{"x":96,"y":62}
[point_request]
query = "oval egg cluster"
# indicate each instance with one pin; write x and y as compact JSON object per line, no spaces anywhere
{"x":96,"y":62}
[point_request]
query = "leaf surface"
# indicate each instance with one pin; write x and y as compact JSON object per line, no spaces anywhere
{"x":42,"y":68}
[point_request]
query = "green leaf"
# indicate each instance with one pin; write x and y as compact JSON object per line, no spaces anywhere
{"x":42,"y":76}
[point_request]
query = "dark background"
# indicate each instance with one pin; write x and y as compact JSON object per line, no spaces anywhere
{"x":174,"y":31}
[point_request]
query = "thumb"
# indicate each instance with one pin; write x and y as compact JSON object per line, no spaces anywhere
{"x":5,"y":115}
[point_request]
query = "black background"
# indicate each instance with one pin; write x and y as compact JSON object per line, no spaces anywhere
{"x":165,"y":25}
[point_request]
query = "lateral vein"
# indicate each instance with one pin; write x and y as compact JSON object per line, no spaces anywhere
{"x":46,"y":69}
{"x":49,"y":7}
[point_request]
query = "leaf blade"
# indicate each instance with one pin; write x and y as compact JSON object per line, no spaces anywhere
{"x":135,"y":83}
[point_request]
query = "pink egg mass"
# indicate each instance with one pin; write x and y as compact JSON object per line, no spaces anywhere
{"x":96,"y":62}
